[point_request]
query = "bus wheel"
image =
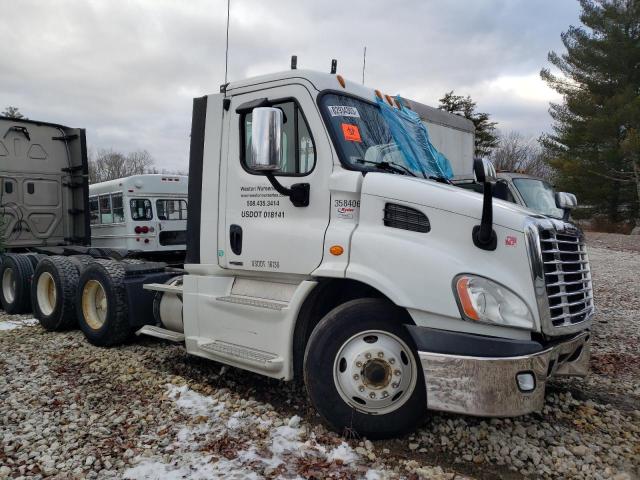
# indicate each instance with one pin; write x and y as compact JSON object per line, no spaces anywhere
{"x":362,"y":371}
{"x":101,"y":305}
{"x":15,"y":274}
{"x":53,"y":293}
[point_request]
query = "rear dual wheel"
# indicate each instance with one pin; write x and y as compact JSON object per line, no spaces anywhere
{"x":53,"y":292}
{"x":101,"y":306}
{"x":362,"y":371}
{"x":16,"y":271}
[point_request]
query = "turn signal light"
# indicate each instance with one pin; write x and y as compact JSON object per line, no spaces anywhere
{"x":336,"y":250}
{"x":138,"y":230}
{"x":465,"y":298}
{"x":145,"y":229}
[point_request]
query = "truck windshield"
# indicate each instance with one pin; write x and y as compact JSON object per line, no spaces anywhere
{"x":364,"y":139}
{"x":538,"y":196}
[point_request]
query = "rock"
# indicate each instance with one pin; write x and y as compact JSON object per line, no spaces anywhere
{"x":413,"y":446}
{"x":579,"y":450}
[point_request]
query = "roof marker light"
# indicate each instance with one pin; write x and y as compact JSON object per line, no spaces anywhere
{"x":341,"y":80}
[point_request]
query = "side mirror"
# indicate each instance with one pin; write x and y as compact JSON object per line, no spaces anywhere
{"x":484,"y":170}
{"x":266,"y":139}
{"x":566,"y":202}
{"x":483,"y":235}
{"x":266,"y":153}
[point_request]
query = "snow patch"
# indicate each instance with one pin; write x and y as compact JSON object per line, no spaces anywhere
{"x":13,"y":324}
{"x":344,"y":453}
{"x":192,"y":402}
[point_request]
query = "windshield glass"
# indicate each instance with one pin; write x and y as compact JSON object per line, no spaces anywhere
{"x":366,"y":140}
{"x":538,"y":196}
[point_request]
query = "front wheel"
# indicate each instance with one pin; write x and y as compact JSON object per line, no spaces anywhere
{"x":362,"y":371}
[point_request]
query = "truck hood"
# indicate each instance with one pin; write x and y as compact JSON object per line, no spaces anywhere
{"x":444,"y":197}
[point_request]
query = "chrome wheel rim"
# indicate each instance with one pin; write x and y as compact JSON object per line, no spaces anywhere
{"x":46,"y":293}
{"x":375,"y":372}
{"x":9,"y":285}
{"x":94,"y":304}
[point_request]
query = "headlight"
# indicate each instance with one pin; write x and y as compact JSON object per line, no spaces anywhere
{"x":483,"y":300}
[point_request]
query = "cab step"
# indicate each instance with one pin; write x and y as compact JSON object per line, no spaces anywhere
{"x":245,"y":355}
{"x":253,"y":302}
{"x":163,"y":333}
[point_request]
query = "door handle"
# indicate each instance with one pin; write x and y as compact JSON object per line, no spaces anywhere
{"x":235,"y":239}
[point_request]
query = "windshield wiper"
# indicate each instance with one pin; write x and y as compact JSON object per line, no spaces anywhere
{"x":440,"y":179}
{"x":389,"y":167}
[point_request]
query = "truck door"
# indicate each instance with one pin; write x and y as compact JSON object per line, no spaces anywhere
{"x":263,"y":230}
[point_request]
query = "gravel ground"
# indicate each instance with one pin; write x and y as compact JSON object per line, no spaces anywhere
{"x":147,"y":410}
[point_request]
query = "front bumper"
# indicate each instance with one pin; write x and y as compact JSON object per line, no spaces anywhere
{"x":487,"y":386}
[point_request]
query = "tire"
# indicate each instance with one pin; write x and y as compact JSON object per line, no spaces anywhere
{"x":356,"y":351}
{"x":53,"y":293}
{"x":132,"y":261}
{"x":81,"y":262}
{"x":101,"y":304}
{"x":15,"y":278}
{"x":34,"y":258}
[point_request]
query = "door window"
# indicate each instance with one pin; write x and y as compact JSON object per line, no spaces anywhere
{"x":118,"y":208}
{"x":140,"y":209}
{"x":298,"y":149}
{"x":105,"y":209}
{"x":95,"y":210}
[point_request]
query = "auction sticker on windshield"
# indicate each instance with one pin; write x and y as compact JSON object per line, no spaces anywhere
{"x":351,"y":132}
{"x":343,"y":111}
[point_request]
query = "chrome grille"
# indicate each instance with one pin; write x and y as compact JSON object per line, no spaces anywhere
{"x":567,"y":277}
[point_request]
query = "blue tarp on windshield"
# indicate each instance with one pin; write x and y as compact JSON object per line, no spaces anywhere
{"x":412,"y":138}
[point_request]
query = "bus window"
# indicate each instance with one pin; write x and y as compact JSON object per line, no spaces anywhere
{"x":118,"y":208}
{"x":140,"y":209}
{"x":94,"y":210}
{"x":105,"y":209}
{"x":171,"y":209}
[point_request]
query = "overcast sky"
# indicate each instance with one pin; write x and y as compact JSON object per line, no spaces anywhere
{"x":127,"y":70}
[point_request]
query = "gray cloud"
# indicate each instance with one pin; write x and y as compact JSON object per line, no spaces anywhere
{"x":127,"y":70}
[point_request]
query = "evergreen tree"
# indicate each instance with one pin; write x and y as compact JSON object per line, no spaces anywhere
{"x":486,"y":138}
{"x":595,"y":141}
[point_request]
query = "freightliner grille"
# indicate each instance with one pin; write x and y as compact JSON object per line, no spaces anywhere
{"x":567,"y":277}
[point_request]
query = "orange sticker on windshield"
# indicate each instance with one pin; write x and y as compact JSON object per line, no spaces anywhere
{"x":351,"y":132}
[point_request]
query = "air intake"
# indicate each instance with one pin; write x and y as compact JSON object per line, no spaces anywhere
{"x":405,"y":218}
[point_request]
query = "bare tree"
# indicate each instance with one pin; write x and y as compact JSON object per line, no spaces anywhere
{"x":13,"y":112}
{"x":109,"y":164}
{"x":516,"y":153}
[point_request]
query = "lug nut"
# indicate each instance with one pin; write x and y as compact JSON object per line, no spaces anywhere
{"x":380,"y":354}
{"x":392,"y":361}
{"x":396,"y":373}
{"x":361,"y":388}
{"x":359,"y":364}
{"x":367,"y":356}
{"x":372,"y":395}
{"x":395,"y":384}
{"x":385,"y":394}
{"x":356,"y":376}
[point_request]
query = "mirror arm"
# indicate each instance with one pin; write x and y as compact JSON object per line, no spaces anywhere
{"x":484,"y":236}
{"x":298,"y":193}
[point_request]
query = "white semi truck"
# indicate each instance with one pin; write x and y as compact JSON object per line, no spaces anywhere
{"x":318,"y":250}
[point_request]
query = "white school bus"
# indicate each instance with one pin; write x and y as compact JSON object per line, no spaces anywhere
{"x":147,"y":213}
